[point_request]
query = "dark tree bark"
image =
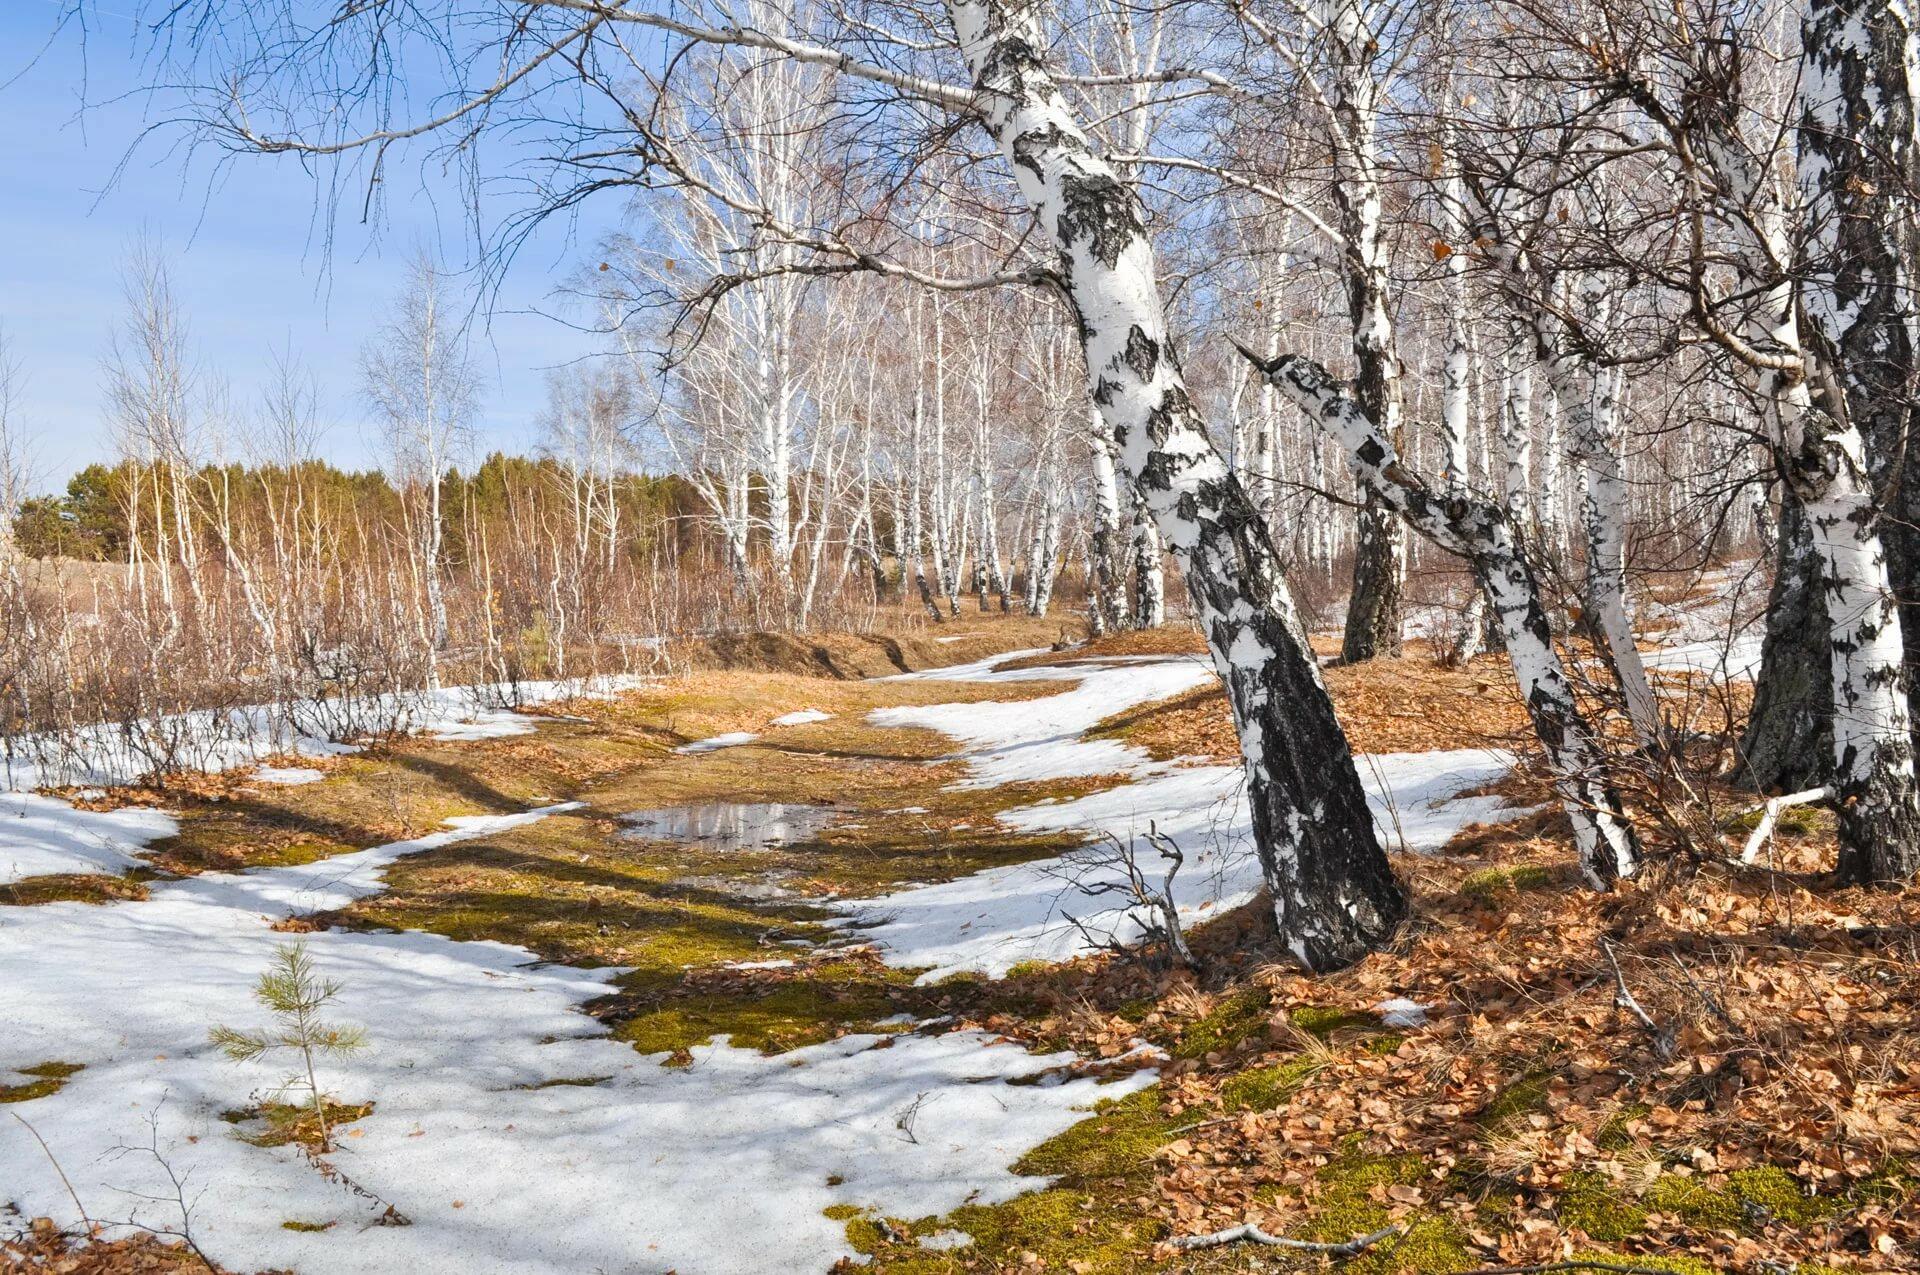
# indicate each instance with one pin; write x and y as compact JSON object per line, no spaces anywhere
{"x":1788,"y":742}
{"x":1373,"y":609}
{"x":1334,"y":894}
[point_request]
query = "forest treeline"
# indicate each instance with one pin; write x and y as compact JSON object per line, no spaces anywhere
{"x":88,"y":521}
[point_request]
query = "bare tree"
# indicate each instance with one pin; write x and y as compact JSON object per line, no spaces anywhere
{"x":420,"y":378}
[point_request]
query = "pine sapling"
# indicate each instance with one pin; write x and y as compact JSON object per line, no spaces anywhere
{"x":295,"y":995}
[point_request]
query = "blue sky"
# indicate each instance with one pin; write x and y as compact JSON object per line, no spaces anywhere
{"x":245,"y":246}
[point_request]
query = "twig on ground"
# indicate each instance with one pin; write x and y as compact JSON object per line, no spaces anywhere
{"x":1770,"y":811}
{"x":1252,"y":1234}
{"x":1662,"y":1036}
{"x":72,"y":1194}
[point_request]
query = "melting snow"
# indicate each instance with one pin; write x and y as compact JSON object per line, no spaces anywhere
{"x":996,"y":919}
{"x":732,"y":739}
{"x":648,"y":1168}
{"x":215,"y":741}
{"x":42,"y":835}
{"x":1724,"y":660}
{"x":1401,"y":1012}
{"x":802,"y":717}
{"x":289,"y":775}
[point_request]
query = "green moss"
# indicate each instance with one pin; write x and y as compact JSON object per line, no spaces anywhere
{"x":1694,"y":1203}
{"x":1780,"y":1194}
{"x":1518,"y":1100}
{"x":1614,"y":1135}
{"x":1674,"y":1265}
{"x":306,"y":1227}
{"x":1802,"y":821}
{"x":1083,"y":1220}
{"x":1022,"y":969}
{"x":1236,"y":1017}
{"x":1346,"y":1206}
{"x":1119,"y":1139}
{"x":1265,"y":1088}
{"x":1593,"y":1203}
{"x":1066,"y":1229}
{"x":1750,"y":1199}
{"x":792,"y":1014}
{"x":1488,"y":882}
{"x":1324,"y":1020}
{"x":865,"y":1235}
{"x":48,"y":1078}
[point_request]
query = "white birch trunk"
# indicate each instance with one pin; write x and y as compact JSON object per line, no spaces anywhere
{"x":1333,"y":893}
{"x":1479,"y":531}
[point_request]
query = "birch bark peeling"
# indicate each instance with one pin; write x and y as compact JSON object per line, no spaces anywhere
{"x":1334,"y":894}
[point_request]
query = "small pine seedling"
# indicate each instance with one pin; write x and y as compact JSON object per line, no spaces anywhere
{"x":295,"y":995}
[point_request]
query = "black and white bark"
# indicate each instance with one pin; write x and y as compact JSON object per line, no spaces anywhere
{"x":1353,"y":92}
{"x":1107,"y":581}
{"x":1480,"y":531}
{"x":1827,"y":268}
{"x":1586,"y":395}
{"x":1856,"y":168}
{"x":1149,"y":579}
{"x":1334,"y":894}
{"x":1859,"y":160}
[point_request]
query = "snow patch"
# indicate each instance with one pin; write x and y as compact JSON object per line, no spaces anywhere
{"x":713,"y":743}
{"x":1398,"y":1011}
{"x":44,"y":835}
{"x":291,"y":776}
{"x":212,"y":741}
{"x":632,"y":1167}
{"x":994,"y":920}
{"x":802,"y":717}
{"x":1723,"y":660}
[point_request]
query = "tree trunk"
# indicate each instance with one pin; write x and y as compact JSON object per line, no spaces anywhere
{"x":1788,"y":743}
{"x":1858,"y":93}
{"x":1857,"y":166}
{"x":1149,"y":581}
{"x":1480,"y":531}
{"x":1334,"y":894}
{"x":1106,"y":578}
{"x":1373,"y":609}
{"x":1592,"y":410}
{"x":1380,"y":549}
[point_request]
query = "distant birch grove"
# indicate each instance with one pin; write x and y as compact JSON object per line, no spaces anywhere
{"x":1509,"y":327}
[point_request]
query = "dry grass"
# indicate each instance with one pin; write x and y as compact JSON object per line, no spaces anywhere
{"x":1405,"y":705}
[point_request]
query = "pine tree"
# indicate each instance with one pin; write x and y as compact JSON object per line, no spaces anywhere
{"x":295,"y":995}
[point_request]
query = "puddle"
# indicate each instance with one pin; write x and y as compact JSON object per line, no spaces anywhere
{"x":731,"y":825}
{"x":764,"y":888}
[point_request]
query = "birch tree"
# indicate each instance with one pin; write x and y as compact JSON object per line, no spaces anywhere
{"x":421,"y":382}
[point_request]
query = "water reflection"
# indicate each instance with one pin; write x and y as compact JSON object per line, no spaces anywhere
{"x":730,"y":825}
